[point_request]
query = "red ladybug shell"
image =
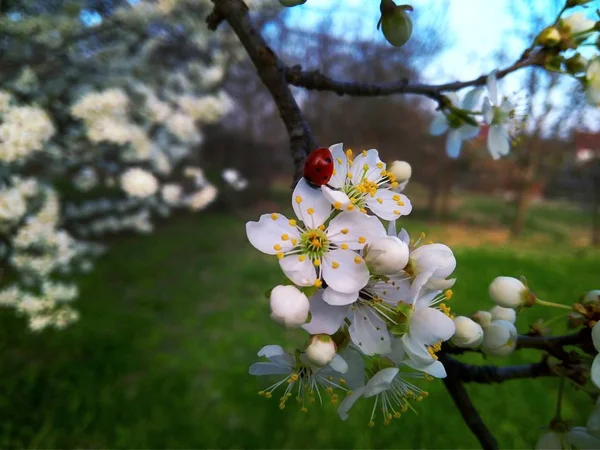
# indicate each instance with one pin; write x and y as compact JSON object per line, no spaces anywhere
{"x":318,"y":167}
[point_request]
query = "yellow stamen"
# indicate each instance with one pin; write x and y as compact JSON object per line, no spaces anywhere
{"x":394,"y":185}
{"x":334,"y":172}
{"x":317,"y":262}
{"x":362,"y":240}
{"x":379,"y":200}
{"x":344,"y":231}
{"x":380,"y":165}
{"x":339,"y":161}
{"x":298,"y":199}
{"x":364,"y":153}
{"x":322,"y":227}
{"x":318,"y":283}
{"x":301,"y":258}
{"x":292,"y":222}
{"x":335,"y":264}
{"x":397,"y":212}
{"x":448,"y":294}
{"x":284,"y":237}
{"x":357,"y":260}
{"x":277,"y":247}
{"x":279,"y":255}
{"x":396,"y":198}
{"x":294,"y":242}
{"x":274,"y":216}
{"x":337,"y":205}
{"x":344,"y":246}
{"x":349,"y":175}
{"x":350,"y":207}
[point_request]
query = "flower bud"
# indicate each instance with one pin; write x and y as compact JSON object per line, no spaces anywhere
{"x":549,"y":37}
{"x":508,"y":292}
{"x":576,"y":64}
{"x":467,"y":334}
{"x":499,"y":338}
{"x":483,"y":318}
{"x":321,"y":350}
{"x":292,"y":2}
{"x":573,"y":3}
{"x":395,"y":23}
{"x":289,"y":306}
{"x":386,"y":256}
{"x":577,"y":23}
{"x":591,"y":297}
{"x":501,"y":313}
{"x":401,"y":170}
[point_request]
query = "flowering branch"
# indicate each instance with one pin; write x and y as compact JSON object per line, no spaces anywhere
{"x":315,"y":80}
{"x":463,"y":402}
{"x":271,"y":72}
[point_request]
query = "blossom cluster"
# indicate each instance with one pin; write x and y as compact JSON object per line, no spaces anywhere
{"x":37,"y":251}
{"x":372,"y":299}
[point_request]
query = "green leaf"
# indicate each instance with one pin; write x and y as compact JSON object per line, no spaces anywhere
{"x":290,"y":3}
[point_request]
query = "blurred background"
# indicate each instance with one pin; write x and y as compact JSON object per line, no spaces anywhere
{"x":171,"y":307}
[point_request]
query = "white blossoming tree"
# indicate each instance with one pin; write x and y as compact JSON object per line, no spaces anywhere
{"x":373,"y":300}
{"x":96,"y":137}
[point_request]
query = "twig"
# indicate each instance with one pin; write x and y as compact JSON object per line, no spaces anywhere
{"x":271,"y":72}
{"x":315,"y":80}
{"x":469,"y":413}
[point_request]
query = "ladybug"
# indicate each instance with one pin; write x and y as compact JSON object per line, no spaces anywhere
{"x":318,"y":167}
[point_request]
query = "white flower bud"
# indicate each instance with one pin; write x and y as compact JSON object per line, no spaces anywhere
{"x":591,"y":297}
{"x":508,"y":292}
{"x":289,"y":306}
{"x":387,"y":255}
{"x":321,"y":350}
{"x":499,"y":338}
{"x":401,"y":170}
{"x":578,"y":23}
{"x":483,"y":318}
{"x":549,"y":37}
{"x":468,"y":334}
{"x":501,"y":313}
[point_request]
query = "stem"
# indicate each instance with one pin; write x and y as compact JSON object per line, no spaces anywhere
{"x":561,"y":386}
{"x":560,"y":13}
{"x":552,"y":304}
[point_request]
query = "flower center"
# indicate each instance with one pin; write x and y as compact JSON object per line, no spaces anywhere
{"x":314,"y":243}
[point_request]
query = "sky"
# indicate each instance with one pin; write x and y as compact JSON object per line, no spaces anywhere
{"x":479,"y":32}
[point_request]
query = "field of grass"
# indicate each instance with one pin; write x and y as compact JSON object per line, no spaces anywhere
{"x":171,"y":322}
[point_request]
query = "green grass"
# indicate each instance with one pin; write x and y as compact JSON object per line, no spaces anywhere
{"x":171,"y":322}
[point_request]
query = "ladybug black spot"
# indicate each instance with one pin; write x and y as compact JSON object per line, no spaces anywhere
{"x":328,"y":160}
{"x":318,"y":169}
{"x":325,"y":178}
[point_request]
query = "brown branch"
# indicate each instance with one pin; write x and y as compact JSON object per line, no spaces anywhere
{"x":315,"y":80}
{"x":469,"y":413}
{"x":271,"y":72}
{"x":550,"y":343}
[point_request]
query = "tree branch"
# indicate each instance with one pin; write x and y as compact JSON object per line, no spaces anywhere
{"x":315,"y":80}
{"x":271,"y":72}
{"x":459,"y":394}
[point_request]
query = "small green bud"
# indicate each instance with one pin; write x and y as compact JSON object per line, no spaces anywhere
{"x":553,"y":63}
{"x":574,"y":3}
{"x":395,"y":23}
{"x":576,"y":64}
{"x":549,"y":37}
{"x":290,"y":3}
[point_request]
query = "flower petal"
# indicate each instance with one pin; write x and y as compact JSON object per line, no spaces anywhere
{"x":335,"y":298}
{"x":437,"y":258}
{"x":492,"y":87}
{"x":497,"y":141}
{"x":381,"y":381}
{"x":266,"y":234}
{"x":439,"y":125}
{"x":369,"y":332}
{"x":325,"y":319}
{"x":339,"y":364}
{"x":417,"y":352}
{"x":340,"y":166}
{"x":579,"y":438}
{"x":349,"y":402}
{"x":365,"y":165}
{"x":335,"y":196}
{"x":404,"y":237}
{"x":345,"y":271}
{"x":310,"y":205}
{"x":389,"y":205}
{"x":267,"y":368}
{"x":397,"y":353}
{"x":472,"y":98}
{"x":488,"y":110}
{"x":355,"y":376}
{"x":595,"y":371}
{"x":453,"y":144}
{"x":301,"y":272}
{"x":271,"y":350}
{"x":354,"y":229}
{"x":468,"y":132}
{"x":596,"y":336}
{"x":428,"y":326}
{"x":391,"y":229}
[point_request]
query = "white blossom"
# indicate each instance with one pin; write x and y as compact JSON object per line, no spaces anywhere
{"x":321,"y":350}
{"x":508,"y":292}
{"x":501,"y":313}
{"x":387,"y":255}
{"x":499,"y":113}
{"x":468,"y":334}
{"x":363,"y":182}
{"x":202,"y":198}
{"x":499,"y":338}
{"x":289,"y":306}
{"x":137,"y":182}
{"x":234,"y":179}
